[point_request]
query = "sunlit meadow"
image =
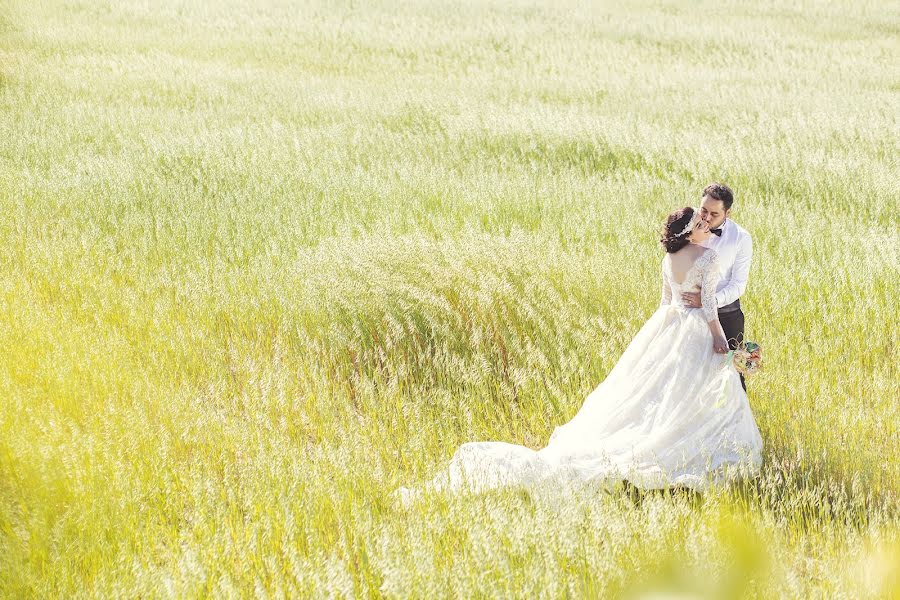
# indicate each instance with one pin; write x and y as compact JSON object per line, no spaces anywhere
{"x":263,"y":262}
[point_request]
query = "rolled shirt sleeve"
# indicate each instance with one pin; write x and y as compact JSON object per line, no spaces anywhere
{"x":740,"y":273}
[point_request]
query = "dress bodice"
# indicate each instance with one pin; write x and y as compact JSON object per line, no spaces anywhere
{"x":702,"y":275}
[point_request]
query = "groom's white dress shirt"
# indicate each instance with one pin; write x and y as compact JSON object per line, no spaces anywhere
{"x":734,"y":249}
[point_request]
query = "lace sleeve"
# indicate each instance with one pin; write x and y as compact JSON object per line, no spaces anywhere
{"x":666,"y":288}
{"x":708,"y":282}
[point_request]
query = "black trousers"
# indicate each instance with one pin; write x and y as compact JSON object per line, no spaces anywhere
{"x":733,"y":326}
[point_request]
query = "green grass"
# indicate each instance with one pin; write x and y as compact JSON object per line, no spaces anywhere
{"x":264,"y":262}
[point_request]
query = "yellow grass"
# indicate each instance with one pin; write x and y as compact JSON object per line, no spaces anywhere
{"x":264,"y":262}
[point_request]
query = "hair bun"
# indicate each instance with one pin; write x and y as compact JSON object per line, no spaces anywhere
{"x":671,"y":238}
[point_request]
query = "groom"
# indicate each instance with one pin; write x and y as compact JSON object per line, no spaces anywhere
{"x":735,"y":248}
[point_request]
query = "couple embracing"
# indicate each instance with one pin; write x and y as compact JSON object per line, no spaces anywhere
{"x":673,"y":411}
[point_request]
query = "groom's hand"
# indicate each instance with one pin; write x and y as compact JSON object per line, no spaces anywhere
{"x":691,"y":299}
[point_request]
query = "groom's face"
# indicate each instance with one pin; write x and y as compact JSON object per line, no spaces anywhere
{"x":713,"y":211}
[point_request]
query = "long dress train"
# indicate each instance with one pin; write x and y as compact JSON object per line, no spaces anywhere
{"x":671,"y":412}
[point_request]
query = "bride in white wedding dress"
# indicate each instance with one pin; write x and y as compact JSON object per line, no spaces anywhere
{"x":671,"y":412}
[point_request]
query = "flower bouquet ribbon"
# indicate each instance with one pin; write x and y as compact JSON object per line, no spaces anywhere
{"x":746,"y":360}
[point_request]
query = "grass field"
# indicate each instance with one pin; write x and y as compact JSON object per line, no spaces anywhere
{"x":263,"y":262}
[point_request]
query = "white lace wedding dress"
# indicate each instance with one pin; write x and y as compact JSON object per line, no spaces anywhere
{"x":670,"y":413}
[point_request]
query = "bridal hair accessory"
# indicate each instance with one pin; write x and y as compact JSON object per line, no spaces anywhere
{"x":694,"y":220}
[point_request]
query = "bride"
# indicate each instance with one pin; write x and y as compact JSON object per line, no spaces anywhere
{"x":671,"y":412}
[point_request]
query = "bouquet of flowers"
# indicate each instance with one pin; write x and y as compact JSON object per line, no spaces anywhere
{"x":747,"y":358}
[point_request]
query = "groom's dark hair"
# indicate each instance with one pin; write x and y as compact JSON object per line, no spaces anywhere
{"x":719,"y":191}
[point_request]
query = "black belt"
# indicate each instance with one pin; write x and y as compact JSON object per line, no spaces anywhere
{"x":734,"y":306}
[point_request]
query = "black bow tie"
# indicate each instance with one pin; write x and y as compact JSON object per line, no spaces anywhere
{"x":718,"y":232}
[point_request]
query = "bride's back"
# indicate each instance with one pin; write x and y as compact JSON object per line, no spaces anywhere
{"x":681,"y":262}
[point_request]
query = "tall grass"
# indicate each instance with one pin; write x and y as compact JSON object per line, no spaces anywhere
{"x":264,"y":262}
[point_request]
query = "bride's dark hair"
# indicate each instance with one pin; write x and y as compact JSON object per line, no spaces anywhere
{"x":675,"y":223}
